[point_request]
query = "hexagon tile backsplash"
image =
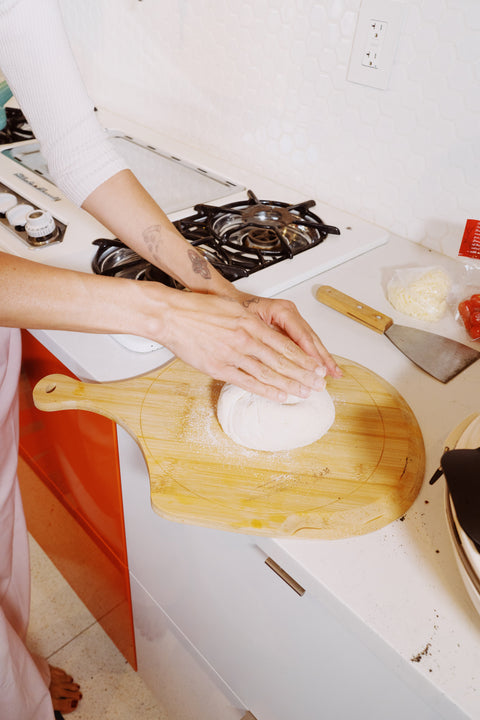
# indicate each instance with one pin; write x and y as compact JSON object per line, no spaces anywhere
{"x":263,"y":84}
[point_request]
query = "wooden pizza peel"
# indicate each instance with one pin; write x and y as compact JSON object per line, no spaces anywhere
{"x":363,"y":474}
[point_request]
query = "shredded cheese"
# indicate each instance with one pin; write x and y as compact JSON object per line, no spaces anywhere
{"x":421,"y":292}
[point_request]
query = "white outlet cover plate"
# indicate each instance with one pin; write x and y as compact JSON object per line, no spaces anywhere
{"x":387,"y":11}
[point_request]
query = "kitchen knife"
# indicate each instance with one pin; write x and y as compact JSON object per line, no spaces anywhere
{"x":438,"y":356}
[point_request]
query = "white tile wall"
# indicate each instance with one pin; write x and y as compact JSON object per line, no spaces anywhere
{"x":262,"y":84}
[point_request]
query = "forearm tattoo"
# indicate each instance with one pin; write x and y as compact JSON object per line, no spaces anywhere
{"x":199,"y":264}
{"x":153,"y":239}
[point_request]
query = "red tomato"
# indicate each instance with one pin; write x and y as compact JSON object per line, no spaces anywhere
{"x":470,"y":313}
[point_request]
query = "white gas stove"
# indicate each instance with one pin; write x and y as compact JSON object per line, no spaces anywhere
{"x":39,"y":223}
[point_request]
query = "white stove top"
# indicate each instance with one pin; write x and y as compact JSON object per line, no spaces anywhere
{"x":177,"y":182}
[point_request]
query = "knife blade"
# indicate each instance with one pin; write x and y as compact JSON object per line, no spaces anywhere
{"x":440,"y":357}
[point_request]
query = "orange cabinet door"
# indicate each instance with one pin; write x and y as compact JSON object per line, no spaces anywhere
{"x":70,"y":480}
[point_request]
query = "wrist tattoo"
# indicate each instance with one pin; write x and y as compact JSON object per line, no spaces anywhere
{"x":153,"y":239}
{"x":247,"y":303}
{"x":199,"y":264}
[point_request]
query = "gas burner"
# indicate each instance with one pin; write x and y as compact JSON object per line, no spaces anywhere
{"x":271,"y":227}
{"x":260,"y":226}
{"x":116,"y":259}
{"x":238,"y":239}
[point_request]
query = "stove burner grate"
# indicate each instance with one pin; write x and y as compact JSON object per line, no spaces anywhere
{"x":16,"y":128}
{"x":238,"y":239}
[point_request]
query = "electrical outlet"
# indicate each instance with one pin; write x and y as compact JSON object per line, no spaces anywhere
{"x":378,"y":30}
{"x":371,"y":57}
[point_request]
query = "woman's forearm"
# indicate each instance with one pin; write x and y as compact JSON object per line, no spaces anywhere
{"x":33,"y":295}
{"x":216,"y":334}
{"x":127,"y":210}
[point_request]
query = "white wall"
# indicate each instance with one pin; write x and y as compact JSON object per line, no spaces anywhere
{"x":262,"y":84}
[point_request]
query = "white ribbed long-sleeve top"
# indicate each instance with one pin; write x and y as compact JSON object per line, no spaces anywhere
{"x":37,"y":61}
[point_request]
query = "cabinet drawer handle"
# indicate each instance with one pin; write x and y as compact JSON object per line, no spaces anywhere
{"x":285,"y":576}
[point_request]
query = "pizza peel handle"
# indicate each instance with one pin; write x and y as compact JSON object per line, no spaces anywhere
{"x":347,"y":305}
{"x":60,"y":392}
{"x":57,"y":392}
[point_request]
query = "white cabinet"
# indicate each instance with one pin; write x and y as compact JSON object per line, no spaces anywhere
{"x":284,"y":655}
{"x":184,"y":683}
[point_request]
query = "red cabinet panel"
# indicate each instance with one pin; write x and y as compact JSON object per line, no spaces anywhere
{"x":72,"y":494}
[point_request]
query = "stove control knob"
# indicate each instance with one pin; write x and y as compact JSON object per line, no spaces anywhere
{"x":40,"y":224}
{"x":7,"y":201}
{"x":17,"y":215}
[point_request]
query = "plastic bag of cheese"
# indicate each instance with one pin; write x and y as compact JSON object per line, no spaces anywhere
{"x":420,"y":292}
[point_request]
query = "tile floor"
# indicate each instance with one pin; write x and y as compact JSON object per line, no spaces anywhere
{"x":64,"y":631}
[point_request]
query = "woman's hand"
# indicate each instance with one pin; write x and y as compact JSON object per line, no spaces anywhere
{"x":261,"y":345}
{"x":284,"y":316}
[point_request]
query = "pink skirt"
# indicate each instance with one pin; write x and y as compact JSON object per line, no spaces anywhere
{"x":24,"y":681}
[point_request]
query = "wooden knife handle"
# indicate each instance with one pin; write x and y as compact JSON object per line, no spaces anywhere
{"x":355,"y":309}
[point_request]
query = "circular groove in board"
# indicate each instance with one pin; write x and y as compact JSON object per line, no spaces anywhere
{"x":364,"y":473}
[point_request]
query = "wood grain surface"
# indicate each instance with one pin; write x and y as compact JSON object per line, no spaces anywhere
{"x":363,"y":474}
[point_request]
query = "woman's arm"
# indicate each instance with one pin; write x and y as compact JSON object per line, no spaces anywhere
{"x":217,"y":335}
{"x":131,"y":214}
